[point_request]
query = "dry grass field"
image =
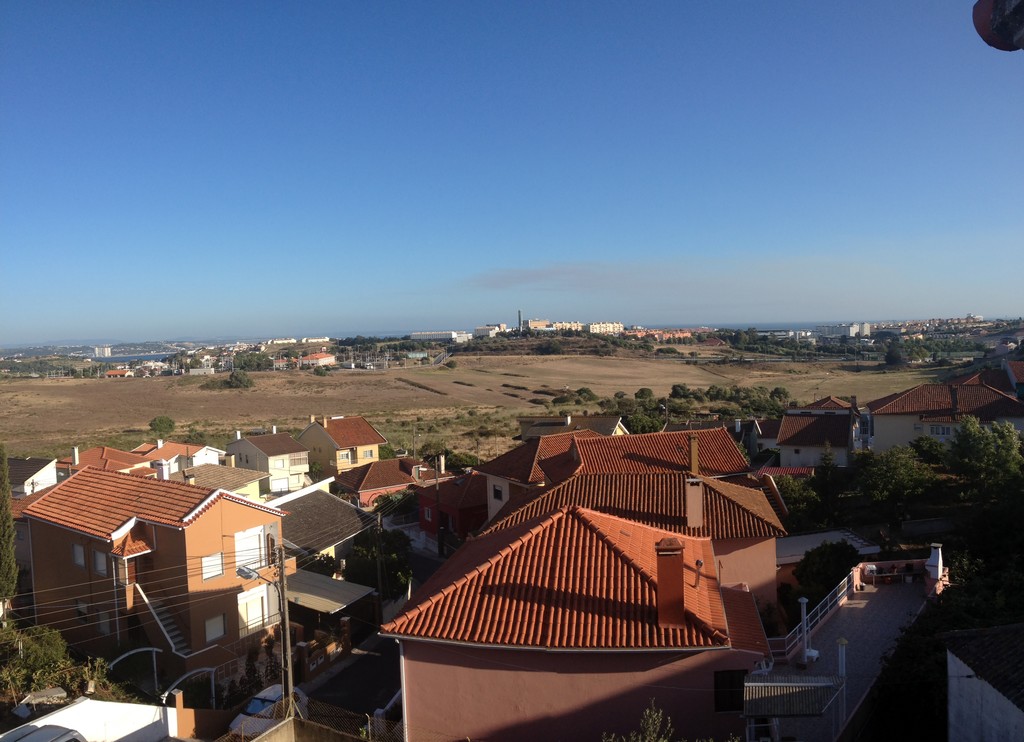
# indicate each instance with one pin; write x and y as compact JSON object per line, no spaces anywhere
{"x":484,"y":394}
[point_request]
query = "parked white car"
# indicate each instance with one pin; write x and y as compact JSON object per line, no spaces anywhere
{"x":265,"y":710}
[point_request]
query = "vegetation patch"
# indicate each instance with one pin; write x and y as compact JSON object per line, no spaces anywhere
{"x":516,"y":386}
{"x":463,"y":383}
{"x":418,"y":385}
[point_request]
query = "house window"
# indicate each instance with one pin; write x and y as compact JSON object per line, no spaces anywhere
{"x":427,"y":515}
{"x":213,"y":566}
{"x":498,"y":493}
{"x":249,"y":548}
{"x":941,"y":430}
{"x":215,"y":627}
{"x":368,"y":453}
{"x":99,"y":562}
{"x":345,"y":456}
{"x":796,"y":451}
{"x":729,"y":691}
{"x":279,"y":464}
{"x":78,"y":555}
{"x":103,"y":622}
{"x":82,"y":611}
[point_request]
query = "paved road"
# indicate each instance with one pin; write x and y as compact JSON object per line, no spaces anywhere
{"x":368,"y":683}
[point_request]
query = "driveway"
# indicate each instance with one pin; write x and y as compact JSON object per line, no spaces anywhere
{"x":368,"y":683}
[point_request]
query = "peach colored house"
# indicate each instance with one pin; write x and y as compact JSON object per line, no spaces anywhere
{"x":805,"y":433}
{"x":567,"y":625}
{"x":340,"y":443}
{"x":285,"y":459}
{"x":121,"y":561}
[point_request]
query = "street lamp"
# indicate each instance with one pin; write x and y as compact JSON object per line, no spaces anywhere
{"x":247,"y":573}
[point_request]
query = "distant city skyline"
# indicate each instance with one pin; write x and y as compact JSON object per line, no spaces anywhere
{"x":217,"y":170}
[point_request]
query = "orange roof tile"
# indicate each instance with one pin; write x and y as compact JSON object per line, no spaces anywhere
{"x":168,"y":450}
{"x":993,"y":377}
{"x":816,"y":430}
{"x":349,"y":432}
{"x":661,"y":452}
{"x":950,"y":403}
{"x":132,"y":545}
{"x":386,"y":474}
{"x":657,"y":500}
{"x":1017,"y":369}
{"x":745,"y":628}
{"x":108,"y":459}
{"x":526,"y":463}
{"x":829,"y":403}
{"x":466,"y":491}
{"x":99,"y":502}
{"x":571,"y":579}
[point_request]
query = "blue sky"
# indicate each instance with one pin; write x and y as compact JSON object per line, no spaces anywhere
{"x":218,"y":169}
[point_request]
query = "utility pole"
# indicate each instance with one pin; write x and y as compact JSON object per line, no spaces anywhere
{"x":286,"y":630}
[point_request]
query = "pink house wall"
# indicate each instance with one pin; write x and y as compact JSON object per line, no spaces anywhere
{"x":509,"y":694}
{"x":750,"y":561}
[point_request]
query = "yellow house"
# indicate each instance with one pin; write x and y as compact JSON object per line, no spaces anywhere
{"x":340,"y":443}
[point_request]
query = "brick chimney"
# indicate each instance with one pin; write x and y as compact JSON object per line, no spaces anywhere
{"x":190,"y":478}
{"x":671,"y":610}
{"x":694,"y":502}
{"x":694,"y":458}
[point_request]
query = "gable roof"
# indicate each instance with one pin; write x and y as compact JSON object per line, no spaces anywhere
{"x":1017,"y":369}
{"x":319,"y":520}
{"x":169,"y":450}
{"x":350,"y":432}
{"x":469,"y":490}
{"x":107,"y":459}
{"x":99,"y":502}
{"x":571,"y":579}
{"x":996,"y":655}
{"x":525,"y":463}
{"x":815,"y":430}
{"x":657,"y":500}
{"x":20,"y":470}
{"x":769,"y":428}
{"x":276,"y":444}
{"x":217,"y":476}
{"x":385,"y":474}
{"x":950,"y":403}
{"x":993,"y":377}
{"x":830,"y":403}
{"x":661,"y":452}
{"x":535,"y":427}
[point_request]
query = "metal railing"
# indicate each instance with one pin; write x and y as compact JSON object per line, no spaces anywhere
{"x":783,"y":646}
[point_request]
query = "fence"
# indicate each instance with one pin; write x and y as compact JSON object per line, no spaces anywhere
{"x":782,"y":647}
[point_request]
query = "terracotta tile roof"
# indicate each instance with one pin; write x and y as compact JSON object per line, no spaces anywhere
{"x":168,"y":450}
{"x":99,"y":502}
{"x":829,"y":403}
{"x":745,"y":628}
{"x":215,"y":476}
{"x":524,"y":463}
{"x":769,"y":428}
{"x":276,"y":444}
{"x":1017,"y":369}
{"x":657,"y":500}
{"x":797,"y":472}
{"x":950,"y":403}
{"x":665,"y":452}
{"x":386,"y":474}
{"x":466,"y":491}
{"x":132,"y":544}
{"x":816,"y":430}
{"x":19,"y":504}
{"x":107,"y":459}
{"x":349,"y":432}
{"x":993,"y":377}
{"x":571,"y":579}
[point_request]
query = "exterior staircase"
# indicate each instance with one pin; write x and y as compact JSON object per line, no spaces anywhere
{"x":163,"y":615}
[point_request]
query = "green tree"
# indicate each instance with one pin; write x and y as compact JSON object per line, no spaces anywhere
{"x":655,"y":726}
{"x":803,"y":504}
{"x":161,"y":425}
{"x":986,"y":460}
{"x":8,"y":566}
{"x":823,"y":567}
{"x":394,"y":548}
{"x":253,"y":362}
{"x":893,"y":355}
{"x":239,"y":380}
{"x":895,"y":477}
{"x":930,"y":450}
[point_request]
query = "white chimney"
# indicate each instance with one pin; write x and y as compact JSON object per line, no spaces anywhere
{"x":159,"y":442}
{"x":694,"y":503}
{"x":440,"y":463}
{"x":74,"y":455}
{"x":312,"y":419}
{"x":238,"y":435}
{"x":934,"y":564}
{"x":273,"y":429}
{"x":739,"y":425}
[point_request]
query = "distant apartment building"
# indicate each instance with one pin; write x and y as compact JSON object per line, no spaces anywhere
{"x":443,"y":336}
{"x":489,"y":331}
{"x":576,"y":326}
{"x":101,"y":351}
{"x":850,"y":329}
{"x":316,"y":340}
{"x":604,"y":328}
{"x":538,"y":324}
{"x":282,"y":341}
